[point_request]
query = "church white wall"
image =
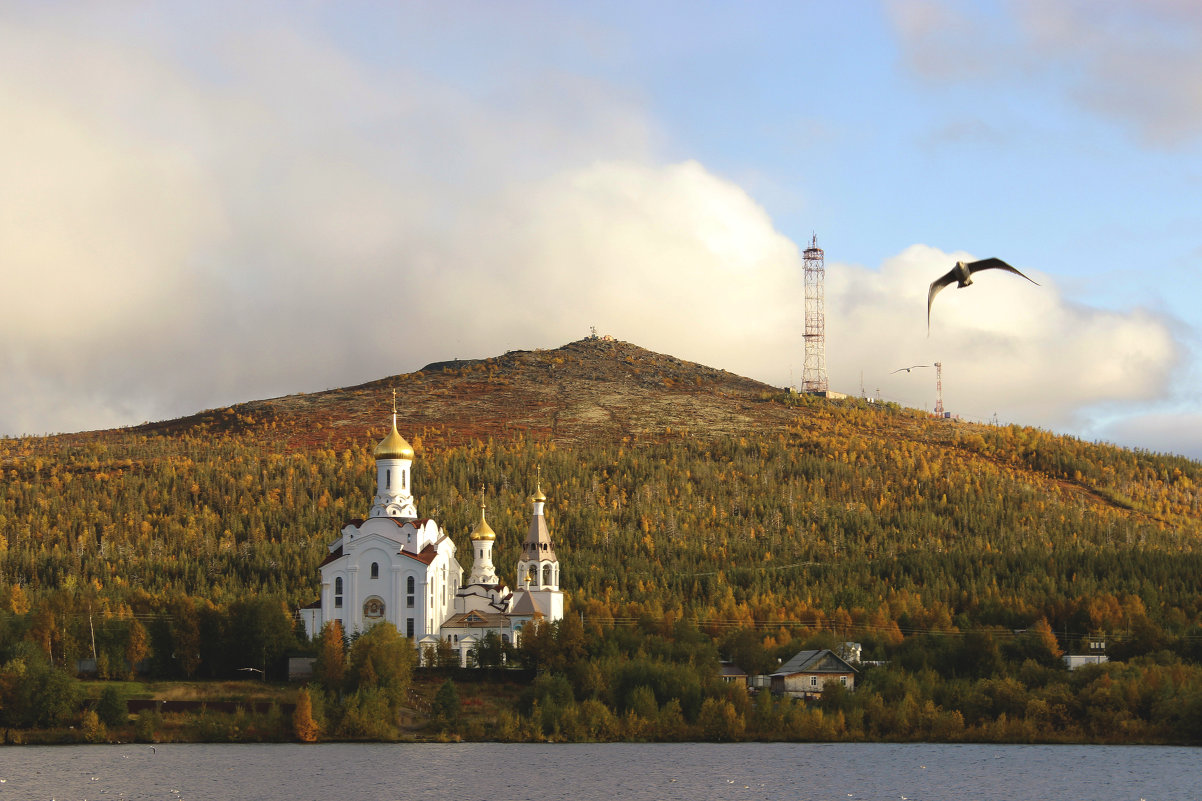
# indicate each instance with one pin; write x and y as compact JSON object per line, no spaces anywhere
{"x":377,"y":571}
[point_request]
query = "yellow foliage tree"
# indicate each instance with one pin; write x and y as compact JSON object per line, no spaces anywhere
{"x":303,"y":724}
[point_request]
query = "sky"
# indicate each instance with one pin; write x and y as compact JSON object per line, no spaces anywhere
{"x":209,"y":203}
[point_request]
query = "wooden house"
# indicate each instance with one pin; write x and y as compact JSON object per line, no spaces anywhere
{"x":808,"y":672}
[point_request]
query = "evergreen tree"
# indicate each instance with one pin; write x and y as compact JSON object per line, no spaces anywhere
{"x":446,"y":706}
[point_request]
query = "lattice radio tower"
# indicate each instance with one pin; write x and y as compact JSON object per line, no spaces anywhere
{"x":813,"y":376}
{"x":939,"y":389}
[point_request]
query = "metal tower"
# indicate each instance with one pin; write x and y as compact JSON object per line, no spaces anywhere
{"x":813,"y":376}
{"x":939,"y":389}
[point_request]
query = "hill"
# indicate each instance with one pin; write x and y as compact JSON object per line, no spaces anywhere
{"x":590,"y":390}
{"x":694,"y":513}
{"x":677,"y":490}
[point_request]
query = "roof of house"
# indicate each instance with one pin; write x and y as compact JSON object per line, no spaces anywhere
{"x":537,"y":547}
{"x":819,"y":661}
{"x":477,"y":620}
{"x":524,"y":604}
{"x":731,"y":669}
{"x":399,"y":522}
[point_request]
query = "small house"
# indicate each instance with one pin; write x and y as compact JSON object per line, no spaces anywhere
{"x":808,"y":672}
{"x":1095,"y":647}
{"x":730,"y":673}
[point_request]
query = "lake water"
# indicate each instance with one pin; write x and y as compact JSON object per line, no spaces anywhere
{"x":635,"y":772}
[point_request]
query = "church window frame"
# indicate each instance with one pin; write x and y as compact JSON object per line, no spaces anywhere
{"x":338,"y":592}
{"x":375,"y":570}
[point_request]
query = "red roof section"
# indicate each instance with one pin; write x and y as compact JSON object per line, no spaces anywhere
{"x":427,"y":555}
{"x":337,"y":554}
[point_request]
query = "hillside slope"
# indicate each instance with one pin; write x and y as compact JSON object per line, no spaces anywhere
{"x":589,"y":390}
{"x":673,"y":486}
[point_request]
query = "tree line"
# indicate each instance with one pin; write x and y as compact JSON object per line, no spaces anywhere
{"x":167,"y":554}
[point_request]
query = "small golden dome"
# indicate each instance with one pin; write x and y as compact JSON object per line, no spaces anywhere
{"x":394,"y":446}
{"x":483,"y":531}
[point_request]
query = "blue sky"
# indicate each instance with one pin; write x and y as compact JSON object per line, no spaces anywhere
{"x":213,"y":203}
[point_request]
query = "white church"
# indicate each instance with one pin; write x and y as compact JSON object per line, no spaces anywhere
{"x":399,"y":568}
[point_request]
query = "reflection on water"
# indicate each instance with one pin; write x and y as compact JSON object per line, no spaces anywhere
{"x":633,"y":772}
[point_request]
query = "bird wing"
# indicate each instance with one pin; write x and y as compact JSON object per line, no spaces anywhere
{"x":988,"y":264}
{"x":936,"y":286}
{"x":908,"y":369}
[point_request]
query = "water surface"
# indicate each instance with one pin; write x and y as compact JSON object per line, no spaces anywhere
{"x":631,"y":772}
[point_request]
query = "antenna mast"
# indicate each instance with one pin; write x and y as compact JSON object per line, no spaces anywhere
{"x":939,"y":389}
{"x":813,"y":376}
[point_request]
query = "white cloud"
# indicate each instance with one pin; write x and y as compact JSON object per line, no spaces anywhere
{"x":196,"y":235}
{"x":1162,"y":432}
{"x":175,"y":241}
{"x":1137,"y":62}
{"x":1006,"y":345}
{"x":670,"y":257}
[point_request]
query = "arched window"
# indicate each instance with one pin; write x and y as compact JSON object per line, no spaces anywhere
{"x":532,"y":574}
{"x":409,"y":584}
{"x":338,"y":592}
{"x":403,"y":476}
{"x":388,"y":479}
{"x":375,"y":570}
{"x":547,"y":576}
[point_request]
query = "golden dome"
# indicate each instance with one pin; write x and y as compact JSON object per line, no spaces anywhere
{"x":483,"y":531}
{"x":394,"y":446}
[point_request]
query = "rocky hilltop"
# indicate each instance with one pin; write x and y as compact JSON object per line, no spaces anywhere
{"x":591,"y":389}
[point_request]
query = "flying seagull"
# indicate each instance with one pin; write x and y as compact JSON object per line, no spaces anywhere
{"x":911,"y":367}
{"x":962,"y":272}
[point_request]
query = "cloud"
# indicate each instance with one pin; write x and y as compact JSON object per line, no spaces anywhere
{"x":944,"y":41}
{"x":670,"y":257}
{"x":194,"y":233}
{"x":1006,"y":345}
{"x":1136,"y":62}
{"x":1164,"y":432}
{"x":184,"y":234}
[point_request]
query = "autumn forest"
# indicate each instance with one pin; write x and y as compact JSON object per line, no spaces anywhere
{"x":698,"y":517}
